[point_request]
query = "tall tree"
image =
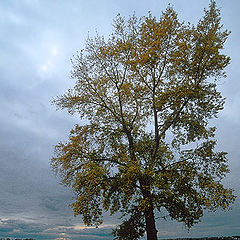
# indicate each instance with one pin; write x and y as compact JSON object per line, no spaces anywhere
{"x":147,"y":95}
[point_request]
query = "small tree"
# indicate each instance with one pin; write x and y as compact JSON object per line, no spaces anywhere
{"x":147,"y":93}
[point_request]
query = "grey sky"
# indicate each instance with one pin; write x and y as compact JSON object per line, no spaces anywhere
{"x":37,"y":40}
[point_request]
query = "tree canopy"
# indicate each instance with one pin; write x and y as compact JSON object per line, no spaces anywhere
{"x":147,"y":94}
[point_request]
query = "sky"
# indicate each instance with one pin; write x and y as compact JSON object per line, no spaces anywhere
{"x":37,"y":40}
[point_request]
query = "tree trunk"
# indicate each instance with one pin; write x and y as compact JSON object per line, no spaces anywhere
{"x":150,"y":223}
{"x":149,"y":211}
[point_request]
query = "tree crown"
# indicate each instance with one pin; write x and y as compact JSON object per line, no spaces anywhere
{"x":148,"y":93}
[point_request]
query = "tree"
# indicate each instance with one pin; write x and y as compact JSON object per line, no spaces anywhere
{"x":147,"y":95}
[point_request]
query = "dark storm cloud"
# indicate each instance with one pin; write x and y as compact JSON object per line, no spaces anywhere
{"x":36,"y":44}
{"x":37,"y":39}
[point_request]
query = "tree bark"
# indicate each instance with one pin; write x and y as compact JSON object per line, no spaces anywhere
{"x":150,"y":223}
{"x":148,"y":212}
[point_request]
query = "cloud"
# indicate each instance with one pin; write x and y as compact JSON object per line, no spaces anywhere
{"x":19,"y":228}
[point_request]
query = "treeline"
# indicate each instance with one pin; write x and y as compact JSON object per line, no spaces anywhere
{"x":207,"y":238}
{"x":16,"y":239}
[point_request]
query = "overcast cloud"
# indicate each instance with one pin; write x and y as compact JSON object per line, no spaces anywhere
{"x":37,"y":40}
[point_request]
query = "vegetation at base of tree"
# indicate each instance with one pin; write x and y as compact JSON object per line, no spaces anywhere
{"x":147,"y":94}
